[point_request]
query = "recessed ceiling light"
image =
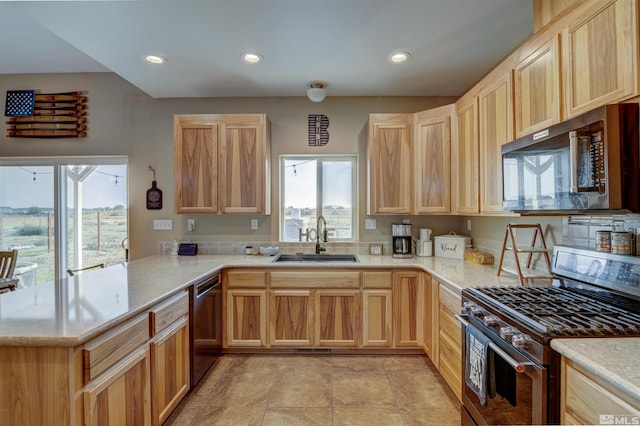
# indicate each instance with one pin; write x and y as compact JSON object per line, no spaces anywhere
{"x":399,"y":57}
{"x":251,"y":57}
{"x":155,"y":59}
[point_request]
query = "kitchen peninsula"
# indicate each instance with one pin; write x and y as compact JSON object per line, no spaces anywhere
{"x":70,"y":340}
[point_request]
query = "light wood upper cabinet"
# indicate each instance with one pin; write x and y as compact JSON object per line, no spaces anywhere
{"x":465,"y":159}
{"x":195,"y":156}
{"x":389,"y":164}
{"x":244,"y":164}
{"x":537,"y":88}
{"x":600,"y":56}
{"x":432,"y":160}
{"x":496,"y":129}
{"x":222,"y":163}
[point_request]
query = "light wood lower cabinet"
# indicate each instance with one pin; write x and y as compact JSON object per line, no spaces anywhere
{"x":338,"y":316}
{"x":291,"y":318}
{"x":120,"y":396}
{"x":587,"y":400}
{"x":449,"y":359}
{"x":246,"y":317}
{"x":407,"y":308}
{"x":377,"y":309}
{"x":170,"y":378}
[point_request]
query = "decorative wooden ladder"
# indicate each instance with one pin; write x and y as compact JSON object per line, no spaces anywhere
{"x":537,"y":245}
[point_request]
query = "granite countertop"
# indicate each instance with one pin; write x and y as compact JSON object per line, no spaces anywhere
{"x":73,"y":310}
{"x":613,"y":360}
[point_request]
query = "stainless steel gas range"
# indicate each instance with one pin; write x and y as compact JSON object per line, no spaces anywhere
{"x":593,"y":294}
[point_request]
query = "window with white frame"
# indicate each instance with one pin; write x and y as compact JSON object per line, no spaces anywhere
{"x":311,"y":186}
{"x":63,"y":213}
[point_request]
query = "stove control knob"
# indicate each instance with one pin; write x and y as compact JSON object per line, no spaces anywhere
{"x":467,"y":306}
{"x":520,"y":341}
{"x":477,"y":311}
{"x":491,"y":320}
{"x":507,"y":332}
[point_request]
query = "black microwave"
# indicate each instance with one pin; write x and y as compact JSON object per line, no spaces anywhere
{"x":590,"y":162}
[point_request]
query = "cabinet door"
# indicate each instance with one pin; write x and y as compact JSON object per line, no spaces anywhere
{"x":120,"y":396}
{"x":389,"y":164}
{"x":195,"y":153}
{"x":246,"y":317}
{"x":432,"y":160}
{"x":291,"y":318}
{"x":407,"y":309}
{"x":338,"y":317}
{"x":600,"y":56}
{"x":427,"y":315}
{"x":377,"y":318}
{"x":244,"y":154}
{"x":537,"y":89}
{"x":450,"y":339}
{"x":169,"y":369}
{"x":496,"y":129}
{"x":466,"y":157}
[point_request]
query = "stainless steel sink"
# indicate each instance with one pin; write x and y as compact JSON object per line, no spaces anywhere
{"x":301,"y":258}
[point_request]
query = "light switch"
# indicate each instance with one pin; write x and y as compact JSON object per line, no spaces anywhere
{"x":163,"y":225}
{"x":369,"y":224}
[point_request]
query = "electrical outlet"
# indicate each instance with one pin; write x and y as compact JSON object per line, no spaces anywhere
{"x":254,"y":224}
{"x":369,"y":224}
{"x":468,"y":224}
{"x":191,"y":225}
{"x":163,"y":225}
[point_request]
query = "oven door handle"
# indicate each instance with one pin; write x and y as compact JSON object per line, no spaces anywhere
{"x":519,"y":367}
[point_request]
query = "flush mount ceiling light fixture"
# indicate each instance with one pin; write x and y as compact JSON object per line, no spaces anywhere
{"x":399,"y":57}
{"x":316,"y":92}
{"x":251,"y":57}
{"x":155,"y":59}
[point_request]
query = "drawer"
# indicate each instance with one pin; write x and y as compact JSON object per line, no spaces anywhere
{"x":449,"y":298}
{"x":316,"y":279}
{"x":102,"y":352}
{"x":378,"y":279}
{"x":246,"y":279}
{"x":450,"y":326}
{"x":167,"y":312}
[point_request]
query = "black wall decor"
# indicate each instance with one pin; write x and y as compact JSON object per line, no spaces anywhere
{"x":318,"y":134}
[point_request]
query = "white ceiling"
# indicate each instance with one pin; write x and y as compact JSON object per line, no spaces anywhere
{"x":344,"y":43}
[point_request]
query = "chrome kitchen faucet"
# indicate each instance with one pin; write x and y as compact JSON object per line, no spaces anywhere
{"x":319,"y":248}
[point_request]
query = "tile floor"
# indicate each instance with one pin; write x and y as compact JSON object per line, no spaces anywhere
{"x":319,"y":390}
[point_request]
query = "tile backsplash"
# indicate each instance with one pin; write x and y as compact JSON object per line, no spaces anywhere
{"x":238,"y":247}
{"x":580,"y":231}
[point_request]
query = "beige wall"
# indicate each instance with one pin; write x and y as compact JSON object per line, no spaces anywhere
{"x":125,"y":121}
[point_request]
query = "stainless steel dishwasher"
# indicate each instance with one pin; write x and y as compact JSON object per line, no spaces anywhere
{"x":205,"y":325}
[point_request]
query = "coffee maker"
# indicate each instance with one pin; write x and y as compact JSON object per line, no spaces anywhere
{"x":402,"y":240}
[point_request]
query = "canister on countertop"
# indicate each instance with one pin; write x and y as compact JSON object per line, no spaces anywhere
{"x":621,"y":243}
{"x":603,"y":241}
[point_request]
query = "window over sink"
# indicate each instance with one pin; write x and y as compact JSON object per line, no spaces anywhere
{"x":311,"y":186}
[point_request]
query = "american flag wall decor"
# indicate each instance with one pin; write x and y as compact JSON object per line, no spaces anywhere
{"x":318,"y":134}
{"x":46,"y":115}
